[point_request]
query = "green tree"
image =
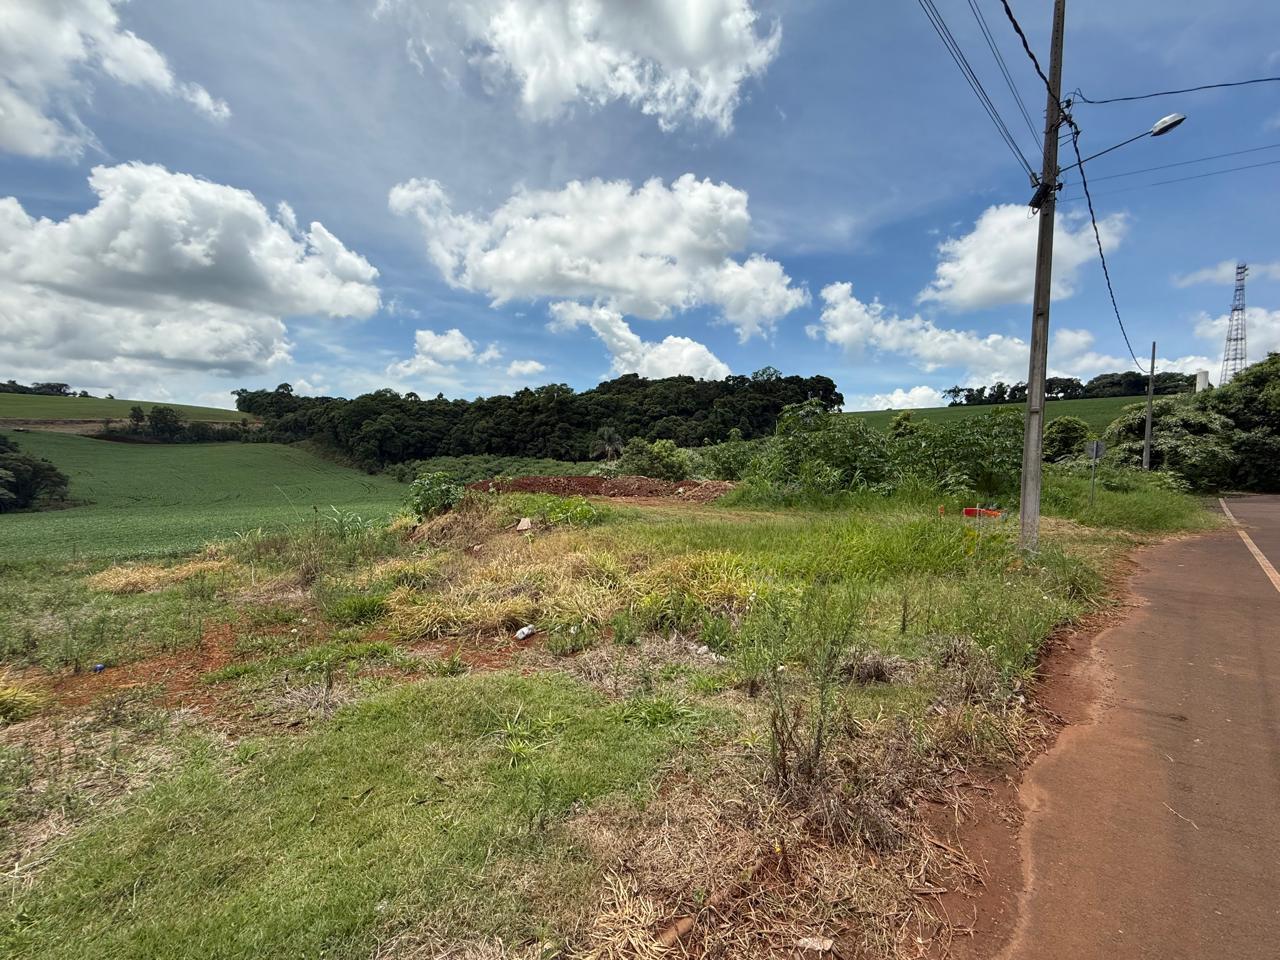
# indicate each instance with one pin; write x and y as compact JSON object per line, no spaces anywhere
{"x":1251,"y":401}
{"x":608,"y":443}
{"x":1064,"y":437}
{"x":662,"y":460}
{"x":1196,"y":444}
{"x":137,"y":416}
{"x":26,"y":481}
{"x":163,"y":422}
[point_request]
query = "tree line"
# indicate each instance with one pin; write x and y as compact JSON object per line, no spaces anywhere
{"x":554,"y":422}
{"x":1129,"y":383}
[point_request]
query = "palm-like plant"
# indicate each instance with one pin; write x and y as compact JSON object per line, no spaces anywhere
{"x":608,"y":443}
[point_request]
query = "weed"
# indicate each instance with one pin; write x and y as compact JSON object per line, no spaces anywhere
{"x":450,"y":666}
{"x":657,"y":712}
{"x":569,"y":640}
{"x":18,"y":700}
{"x":353,"y":608}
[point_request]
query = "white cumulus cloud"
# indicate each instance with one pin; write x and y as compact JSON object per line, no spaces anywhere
{"x":647,"y":251}
{"x":675,"y":60}
{"x":900,"y":399}
{"x":51,"y":51}
{"x":672,"y":356}
{"x":1224,"y":273}
{"x":994,"y":264}
{"x":165,"y":272}
{"x":453,"y":359}
{"x":524,"y":368}
{"x":977,"y":358}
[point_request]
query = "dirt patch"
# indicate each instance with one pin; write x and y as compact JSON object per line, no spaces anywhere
{"x":176,"y":676}
{"x":611,"y":487}
{"x":978,"y":915}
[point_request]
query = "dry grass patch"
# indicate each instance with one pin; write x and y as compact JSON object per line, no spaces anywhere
{"x":145,"y":577}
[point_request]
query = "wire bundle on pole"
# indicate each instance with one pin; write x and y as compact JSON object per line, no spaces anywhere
{"x":966,"y":69}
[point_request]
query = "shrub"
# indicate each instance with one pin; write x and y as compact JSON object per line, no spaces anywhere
{"x":27,"y":481}
{"x":1194,"y":443}
{"x":1251,"y":401}
{"x":662,"y":460}
{"x":1064,"y":437}
{"x":434,"y":493}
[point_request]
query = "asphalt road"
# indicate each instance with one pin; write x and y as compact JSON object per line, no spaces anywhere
{"x":1153,"y":828}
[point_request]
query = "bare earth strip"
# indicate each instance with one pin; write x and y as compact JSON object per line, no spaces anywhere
{"x":1152,"y":825}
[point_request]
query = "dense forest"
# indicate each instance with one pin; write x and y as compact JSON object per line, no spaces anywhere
{"x":385,"y":427}
{"x":1130,"y":383}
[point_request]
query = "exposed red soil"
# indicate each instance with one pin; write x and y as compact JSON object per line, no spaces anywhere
{"x":979,"y":914}
{"x":613,"y":487}
{"x":176,"y":675}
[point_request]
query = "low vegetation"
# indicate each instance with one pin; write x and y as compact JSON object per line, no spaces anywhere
{"x":437,"y":734}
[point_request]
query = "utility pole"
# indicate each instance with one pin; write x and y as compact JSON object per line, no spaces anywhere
{"x":1046,"y":195}
{"x":1151,"y":390}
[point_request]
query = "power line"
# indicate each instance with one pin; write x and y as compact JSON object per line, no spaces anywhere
{"x":1004,"y":68}
{"x":966,"y":69}
{"x":1008,"y":12}
{"x":1184,"y":163}
{"x":1078,"y":95}
{"x":1084,"y":182}
{"x":1194,"y":176}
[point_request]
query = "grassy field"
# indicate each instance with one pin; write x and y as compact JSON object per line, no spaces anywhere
{"x":1097,"y":413}
{"x":22,"y":406}
{"x":145,"y":499}
{"x":325,"y":738}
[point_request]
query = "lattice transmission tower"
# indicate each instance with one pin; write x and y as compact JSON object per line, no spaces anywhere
{"x":1235,"y":355}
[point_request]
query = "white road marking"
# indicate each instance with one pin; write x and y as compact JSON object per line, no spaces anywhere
{"x":1258,"y":555}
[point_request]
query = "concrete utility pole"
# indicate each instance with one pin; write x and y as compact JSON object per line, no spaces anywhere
{"x":1151,"y":390}
{"x":1047,"y":194}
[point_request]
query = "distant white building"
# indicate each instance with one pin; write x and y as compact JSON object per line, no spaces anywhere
{"x":1202,"y":380}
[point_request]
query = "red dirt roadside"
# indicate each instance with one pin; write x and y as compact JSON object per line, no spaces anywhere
{"x":1152,"y":827}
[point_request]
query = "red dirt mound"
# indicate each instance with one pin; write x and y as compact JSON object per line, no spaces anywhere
{"x":622,"y":487}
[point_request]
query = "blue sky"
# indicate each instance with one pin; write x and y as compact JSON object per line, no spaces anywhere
{"x":490,"y":195}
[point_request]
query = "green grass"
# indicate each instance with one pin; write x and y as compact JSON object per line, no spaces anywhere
{"x":412,"y":809}
{"x":1098,"y":413}
{"x":147,"y":500}
{"x":24,"y":406}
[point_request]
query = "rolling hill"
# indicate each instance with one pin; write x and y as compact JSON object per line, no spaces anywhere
{"x":148,"y":499}
{"x":1097,"y":412}
{"x":26,"y":406}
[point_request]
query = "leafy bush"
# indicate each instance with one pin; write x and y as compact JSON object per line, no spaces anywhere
{"x":1251,"y":401}
{"x":1064,"y":437}
{"x":27,"y":481}
{"x":434,"y":493}
{"x":662,"y":460}
{"x":1194,"y":443}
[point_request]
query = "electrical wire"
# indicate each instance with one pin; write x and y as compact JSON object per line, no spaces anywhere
{"x":1008,"y":12}
{"x":1004,"y":68}
{"x":1159,"y":183}
{"x":1184,"y":163}
{"x":1084,"y":182}
{"x":971,"y":77}
{"x":1079,"y":96}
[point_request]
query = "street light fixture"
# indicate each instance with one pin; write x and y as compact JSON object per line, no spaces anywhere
{"x":1043,"y":201}
{"x":1159,"y":129}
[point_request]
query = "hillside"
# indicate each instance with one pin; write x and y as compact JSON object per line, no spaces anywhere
{"x":153,"y":499}
{"x":24,"y":406}
{"x":1098,"y":413}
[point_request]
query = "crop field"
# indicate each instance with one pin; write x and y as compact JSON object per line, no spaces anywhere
{"x":235,"y":723}
{"x":1098,"y":413}
{"x":145,"y":499}
{"x":24,"y":406}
